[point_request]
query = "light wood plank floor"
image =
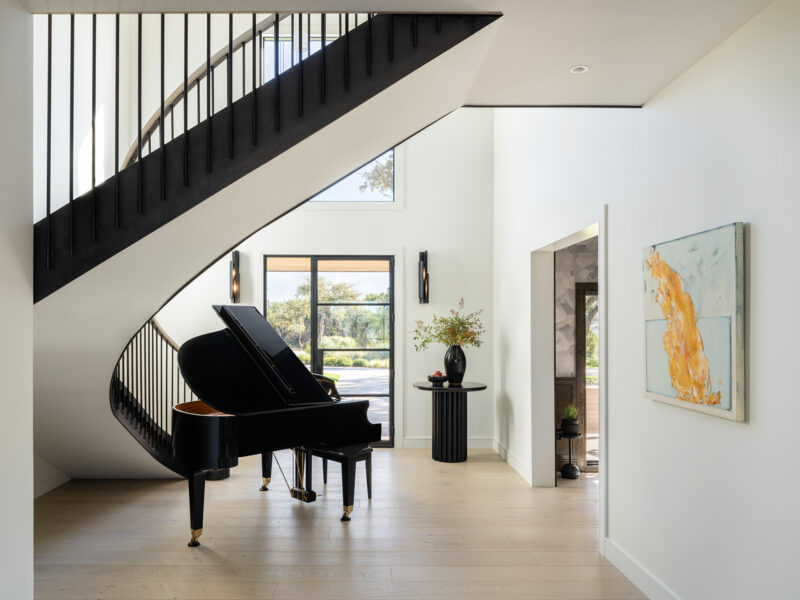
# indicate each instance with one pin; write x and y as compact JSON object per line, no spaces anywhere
{"x":470,"y":530}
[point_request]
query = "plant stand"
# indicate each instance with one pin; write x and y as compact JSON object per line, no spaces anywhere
{"x":569,"y":470}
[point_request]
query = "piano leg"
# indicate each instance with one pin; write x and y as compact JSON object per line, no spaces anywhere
{"x":325,"y":471}
{"x":348,"y":485}
{"x":266,"y":470}
{"x":369,"y":476}
{"x":197,"y":487}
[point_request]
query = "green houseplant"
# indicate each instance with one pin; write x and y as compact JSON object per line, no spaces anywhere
{"x":569,"y":423}
{"x":456,"y":331}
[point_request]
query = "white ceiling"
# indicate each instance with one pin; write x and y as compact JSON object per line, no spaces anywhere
{"x":633,"y":47}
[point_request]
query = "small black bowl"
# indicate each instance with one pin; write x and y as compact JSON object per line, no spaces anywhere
{"x":437,"y":380}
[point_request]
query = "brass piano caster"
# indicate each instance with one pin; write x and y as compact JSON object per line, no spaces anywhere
{"x":196,"y":533}
{"x":265,"y":483}
{"x":347,"y":511}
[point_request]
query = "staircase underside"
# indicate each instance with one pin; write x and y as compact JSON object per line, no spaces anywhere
{"x":80,"y":331}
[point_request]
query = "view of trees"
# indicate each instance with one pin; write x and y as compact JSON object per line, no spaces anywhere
{"x":592,"y":339}
{"x":339,"y":326}
{"x":380,"y":177}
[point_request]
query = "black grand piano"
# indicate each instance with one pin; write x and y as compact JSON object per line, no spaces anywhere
{"x":257,"y":397}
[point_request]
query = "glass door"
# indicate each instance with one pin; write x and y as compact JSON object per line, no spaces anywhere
{"x":337,"y":314}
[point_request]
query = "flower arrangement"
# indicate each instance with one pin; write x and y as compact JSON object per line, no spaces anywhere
{"x":455,"y":329}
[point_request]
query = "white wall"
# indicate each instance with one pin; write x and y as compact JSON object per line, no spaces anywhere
{"x":443,"y":205}
{"x":698,"y":507}
{"x":16,"y":316}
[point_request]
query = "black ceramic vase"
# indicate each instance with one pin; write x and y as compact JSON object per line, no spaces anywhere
{"x":455,"y":363}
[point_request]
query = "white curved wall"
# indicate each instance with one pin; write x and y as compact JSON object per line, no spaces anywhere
{"x":443,"y":204}
{"x":80,"y":330}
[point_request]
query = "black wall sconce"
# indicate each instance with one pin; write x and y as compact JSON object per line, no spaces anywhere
{"x":234,"y":277}
{"x":423,"y":277}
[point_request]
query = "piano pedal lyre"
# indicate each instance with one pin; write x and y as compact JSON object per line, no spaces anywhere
{"x":303,"y":494}
{"x":347,"y":511}
{"x":196,"y":533}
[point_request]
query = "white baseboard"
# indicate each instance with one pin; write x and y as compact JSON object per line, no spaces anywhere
{"x":651,"y":586}
{"x":50,"y":481}
{"x":515,"y":462}
{"x":424,"y":441}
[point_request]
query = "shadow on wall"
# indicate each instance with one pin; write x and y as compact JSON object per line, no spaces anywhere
{"x":504,"y":411}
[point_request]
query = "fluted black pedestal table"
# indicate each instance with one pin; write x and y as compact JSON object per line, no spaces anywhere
{"x":450,"y":418}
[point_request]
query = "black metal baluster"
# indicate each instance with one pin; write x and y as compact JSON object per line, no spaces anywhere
{"x":153,"y":383}
{"x":291,"y":40}
{"x":162,"y":121}
{"x":197,"y":88}
{"x":171,"y":121}
{"x":391,"y":38}
{"x":244,"y":67}
{"x":260,"y":58}
{"x":94,"y":125}
{"x":277,"y":76}
{"x":208,"y":92}
{"x":117,"y":208}
{"x":186,"y":99}
{"x":369,"y":43}
{"x":346,"y":51}
{"x":300,"y":65}
{"x":164,"y":386}
{"x":49,"y":136}
{"x":414,"y":30}
{"x":230,"y":85}
{"x":139,"y":114}
{"x":340,"y":24}
{"x":255,"y":86}
{"x":323,"y":71}
{"x":71,"y":133}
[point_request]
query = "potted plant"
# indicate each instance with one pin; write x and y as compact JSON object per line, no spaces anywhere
{"x":455,"y":331}
{"x":570,"y":424}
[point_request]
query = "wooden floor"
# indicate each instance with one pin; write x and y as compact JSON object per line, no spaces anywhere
{"x":432,"y":530}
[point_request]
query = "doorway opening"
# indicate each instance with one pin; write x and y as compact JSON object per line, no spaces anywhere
{"x":576,"y":333}
{"x":337,"y":315}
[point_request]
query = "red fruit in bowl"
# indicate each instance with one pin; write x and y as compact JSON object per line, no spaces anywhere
{"x":437,"y":373}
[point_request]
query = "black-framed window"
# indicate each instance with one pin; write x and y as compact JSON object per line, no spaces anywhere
{"x":337,"y":314}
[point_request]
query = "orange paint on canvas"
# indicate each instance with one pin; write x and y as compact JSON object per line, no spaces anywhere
{"x":688,"y":365}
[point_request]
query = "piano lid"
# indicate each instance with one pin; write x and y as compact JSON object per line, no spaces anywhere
{"x":247,"y":367}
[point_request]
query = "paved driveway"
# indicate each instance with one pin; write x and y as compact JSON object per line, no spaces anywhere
{"x":364,"y":380}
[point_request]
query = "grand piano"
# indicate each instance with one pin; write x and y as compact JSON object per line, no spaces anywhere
{"x":257,"y":397}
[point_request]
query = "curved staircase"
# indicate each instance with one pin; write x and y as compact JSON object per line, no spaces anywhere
{"x":137,"y":238}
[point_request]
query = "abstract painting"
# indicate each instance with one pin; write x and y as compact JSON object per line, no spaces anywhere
{"x":694,"y":322}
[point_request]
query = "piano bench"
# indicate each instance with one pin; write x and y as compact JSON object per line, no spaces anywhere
{"x":365,"y":455}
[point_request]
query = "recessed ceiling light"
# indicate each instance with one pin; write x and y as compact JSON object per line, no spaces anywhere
{"x":577,"y":69}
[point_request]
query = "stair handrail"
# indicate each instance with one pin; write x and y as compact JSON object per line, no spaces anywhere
{"x":163,"y":334}
{"x":152,"y":124}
